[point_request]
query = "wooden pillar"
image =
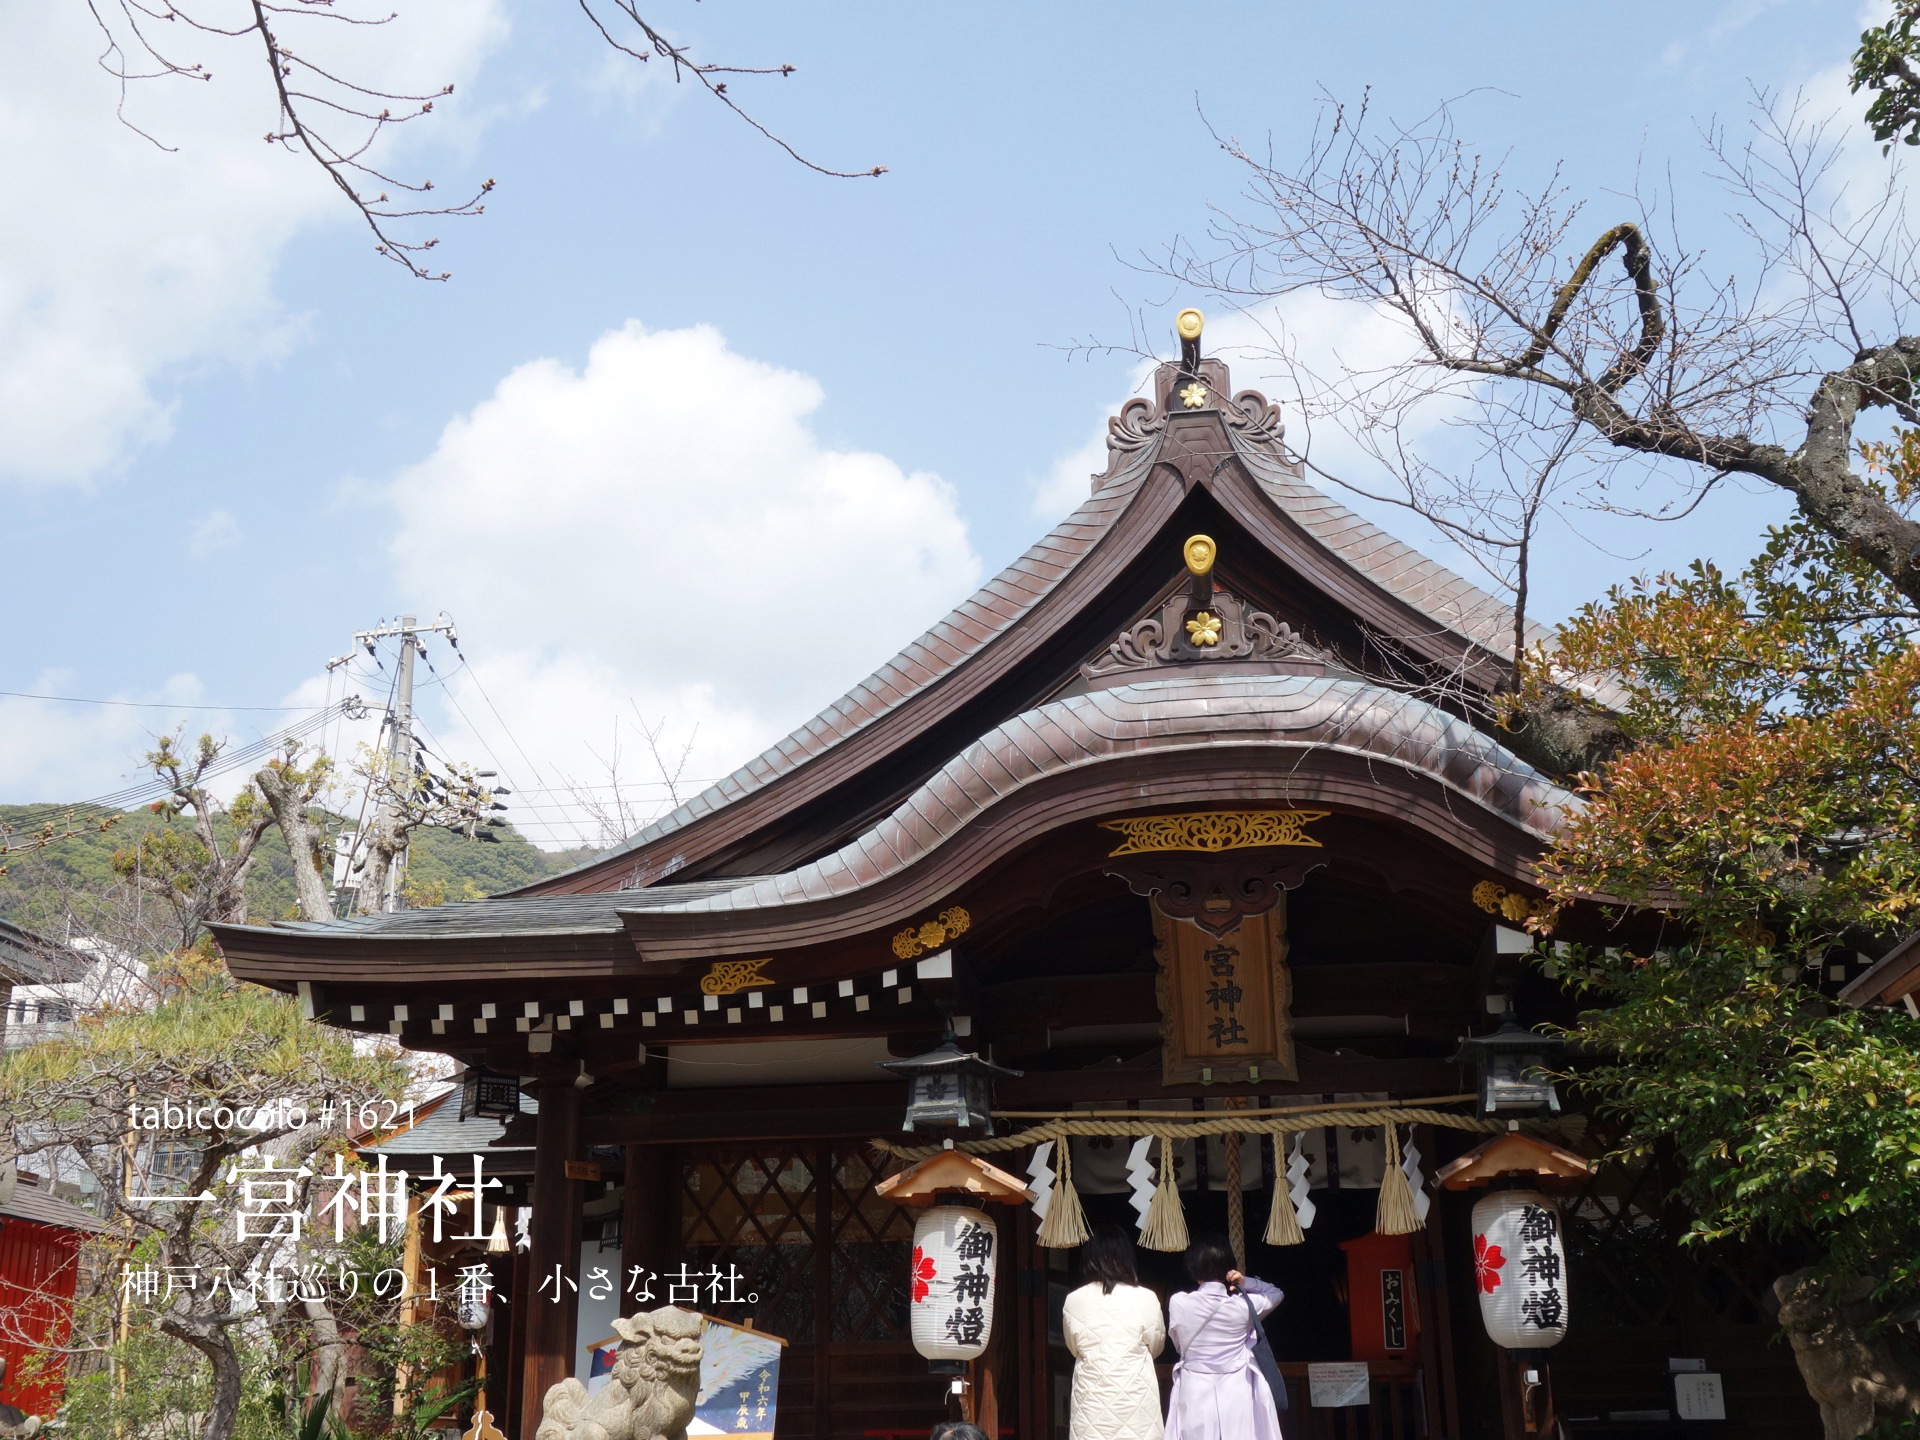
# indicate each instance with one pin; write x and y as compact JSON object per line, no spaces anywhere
{"x":823,"y":1160}
{"x":649,"y":1219}
{"x":519,"y":1316}
{"x":1029,"y":1338}
{"x":1436,"y":1309}
{"x":555,"y":1236}
{"x":634,"y":1224}
{"x":1526,"y":1405}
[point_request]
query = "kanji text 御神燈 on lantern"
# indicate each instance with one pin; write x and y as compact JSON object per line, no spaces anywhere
{"x":1520,"y":1269}
{"x":954,"y":1250}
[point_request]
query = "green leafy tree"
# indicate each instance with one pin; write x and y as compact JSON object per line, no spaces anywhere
{"x":1766,"y":804}
{"x":1888,"y":64}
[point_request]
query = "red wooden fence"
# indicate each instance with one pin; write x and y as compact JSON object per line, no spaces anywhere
{"x":38,"y":1267}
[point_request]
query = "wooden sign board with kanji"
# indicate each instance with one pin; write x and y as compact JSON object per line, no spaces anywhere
{"x":1224,"y":1001}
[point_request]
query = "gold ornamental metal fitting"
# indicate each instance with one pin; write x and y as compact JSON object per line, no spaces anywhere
{"x":1189,"y":323}
{"x":1200,"y":552}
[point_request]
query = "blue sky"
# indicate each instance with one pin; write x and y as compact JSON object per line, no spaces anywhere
{"x":250,"y":436}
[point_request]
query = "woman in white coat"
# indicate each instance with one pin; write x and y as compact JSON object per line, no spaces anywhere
{"x":1114,"y":1329}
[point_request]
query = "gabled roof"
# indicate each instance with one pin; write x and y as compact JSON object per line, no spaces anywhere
{"x":1159,"y":453}
{"x":30,"y":959}
{"x":1200,"y":737}
{"x":34,"y":1201}
{"x":1893,"y":977}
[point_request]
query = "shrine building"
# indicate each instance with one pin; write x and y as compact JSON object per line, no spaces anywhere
{"x":1192,"y":824}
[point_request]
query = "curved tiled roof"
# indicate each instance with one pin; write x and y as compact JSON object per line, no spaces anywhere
{"x":1293,"y":712}
{"x":1453,"y":604}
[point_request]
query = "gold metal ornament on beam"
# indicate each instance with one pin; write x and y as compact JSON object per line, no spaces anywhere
{"x":1204,"y":629}
{"x":1496,"y":899}
{"x":730,"y":977}
{"x":917,"y":940}
{"x":1193,"y":395}
{"x":1189,"y":323}
{"x":1214,"y":830}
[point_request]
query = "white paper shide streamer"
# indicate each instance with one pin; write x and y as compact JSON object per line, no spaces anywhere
{"x":954,"y":1248}
{"x":1297,"y":1186}
{"x":1520,"y":1269}
{"x":1040,"y":1178}
{"x":1140,"y":1179}
{"x":1410,"y":1167}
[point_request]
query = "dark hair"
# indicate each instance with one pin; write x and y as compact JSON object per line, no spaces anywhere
{"x":956,"y":1430}
{"x":1109,"y":1259}
{"x":1208,"y":1259}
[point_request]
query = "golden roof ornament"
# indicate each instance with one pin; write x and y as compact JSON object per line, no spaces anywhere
{"x":1200,"y":552}
{"x":1187,"y":325}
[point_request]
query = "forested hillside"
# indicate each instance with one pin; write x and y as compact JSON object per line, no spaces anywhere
{"x":35,"y":891}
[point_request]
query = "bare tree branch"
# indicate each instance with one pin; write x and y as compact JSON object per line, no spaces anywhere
{"x":337,"y":121}
{"x":1766,"y":374}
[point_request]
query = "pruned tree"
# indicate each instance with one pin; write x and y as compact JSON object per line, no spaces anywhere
{"x":331,"y":111}
{"x":1587,"y":369}
{"x":199,"y":870}
{"x":219,"y":1257}
{"x":404,"y":798}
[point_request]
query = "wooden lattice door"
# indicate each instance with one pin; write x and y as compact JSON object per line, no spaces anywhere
{"x":826,"y":1261}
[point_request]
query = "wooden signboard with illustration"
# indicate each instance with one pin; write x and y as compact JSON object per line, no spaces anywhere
{"x":1224,"y":1000}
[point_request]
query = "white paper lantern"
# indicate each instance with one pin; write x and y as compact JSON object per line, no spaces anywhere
{"x":954,"y":1253}
{"x":1520,"y":1269}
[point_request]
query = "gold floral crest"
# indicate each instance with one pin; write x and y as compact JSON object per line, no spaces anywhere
{"x":918,"y":939}
{"x":1213,"y":830}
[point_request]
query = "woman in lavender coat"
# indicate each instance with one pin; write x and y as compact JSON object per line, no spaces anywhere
{"x":1218,"y":1391}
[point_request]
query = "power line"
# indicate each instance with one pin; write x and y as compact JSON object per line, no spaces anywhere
{"x":143,"y":704}
{"x":228,"y":761}
{"x":503,"y":720}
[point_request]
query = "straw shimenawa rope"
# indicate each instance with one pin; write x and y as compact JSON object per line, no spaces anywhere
{"x":1236,"y":1202}
{"x":1283,"y":1224}
{"x":1166,"y":1227}
{"x":1066,"y":1222}
{"x":1396,"y":1215}
{"x":1221,"y":1122}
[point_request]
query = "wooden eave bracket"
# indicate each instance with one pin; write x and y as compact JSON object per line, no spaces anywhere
{"x":1511,"y":1154}
{"x":923,"y":1182}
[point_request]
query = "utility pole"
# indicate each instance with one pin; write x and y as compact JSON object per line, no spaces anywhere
{"x":401,"y":766}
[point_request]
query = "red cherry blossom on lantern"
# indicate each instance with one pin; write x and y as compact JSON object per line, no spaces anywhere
{"x":923,"y":1272}
{"x":1487,"y":1264}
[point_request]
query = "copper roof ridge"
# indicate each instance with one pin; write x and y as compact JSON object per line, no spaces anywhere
{"x":1406,"y":732}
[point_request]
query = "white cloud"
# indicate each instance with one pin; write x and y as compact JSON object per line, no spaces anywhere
{"x":52,"y":751}
{"x":213,"y":532}
{"x":661,"y":535}
{"x":1069,"y":480}
{"x":123,"y":265}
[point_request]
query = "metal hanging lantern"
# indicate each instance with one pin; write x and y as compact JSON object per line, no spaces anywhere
{"x":948,"y":1088}
{"x":1512,"y":1066}
{"x":951,"y":1314}
{"x":488,"y":1093}
{"x":1520,"y":1269}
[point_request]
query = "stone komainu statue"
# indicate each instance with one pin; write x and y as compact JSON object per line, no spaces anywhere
{"x":650,"y":1393}
{"x":15,"y":1424}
